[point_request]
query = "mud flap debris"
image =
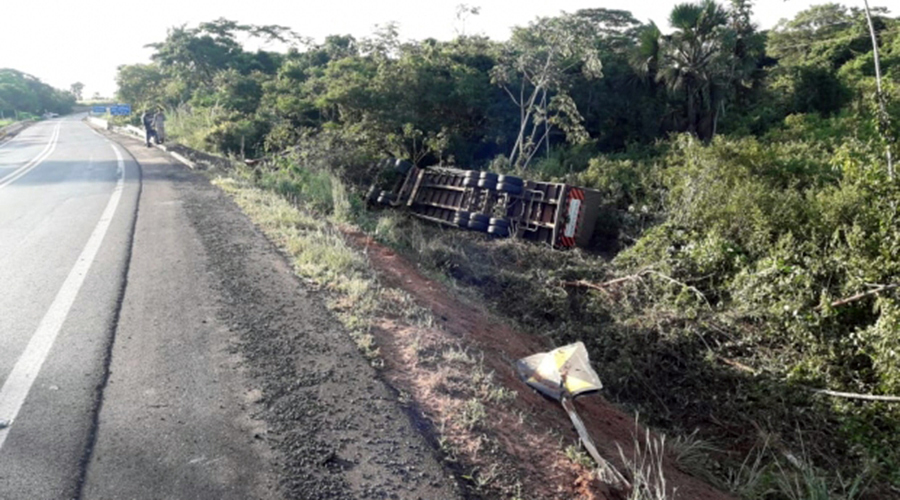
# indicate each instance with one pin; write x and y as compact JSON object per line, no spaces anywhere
{"x":562,"y":374}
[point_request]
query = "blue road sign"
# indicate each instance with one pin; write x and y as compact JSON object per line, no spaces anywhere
{"x":99,"y":110}
{"x":120,"y":109}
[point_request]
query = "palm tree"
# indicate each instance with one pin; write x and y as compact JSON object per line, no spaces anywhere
{"x":693,"y":59}
{"x":644,"y":57}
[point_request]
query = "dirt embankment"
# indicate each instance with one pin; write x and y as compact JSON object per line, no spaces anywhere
{"x":524,"y":433}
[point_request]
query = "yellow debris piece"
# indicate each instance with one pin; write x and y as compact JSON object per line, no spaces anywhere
{"x":562,"y":371}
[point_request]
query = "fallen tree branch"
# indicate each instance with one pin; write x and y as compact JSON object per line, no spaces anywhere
{"x":696,"y":291}
{"x":602,"y":286}
{"x":853,"y":395}
{"x":584,"y":284}
{"x":862,"y":295}
{"x":737,"y":364}
{"x":633,"y":277}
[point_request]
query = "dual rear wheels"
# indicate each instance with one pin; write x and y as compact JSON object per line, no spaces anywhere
{"x":482,"y":223}
{"x":493,"y":182}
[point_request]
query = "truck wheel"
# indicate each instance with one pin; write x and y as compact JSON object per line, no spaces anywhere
{"x":372,"y":195}
{"x":477,"y":226}
{"x":499,"y":231}
{"x":461,"y":219}
{"x":499,"y":222}
{"x":470,"y":182}
{"x":480,"y":218}
{"x":386,"y":197}
{"x":403,"y":166}
{"x":508,"y":179}
{"x":487,"y":184}
{"x":488,"y":176}
{"x":510,"y":188}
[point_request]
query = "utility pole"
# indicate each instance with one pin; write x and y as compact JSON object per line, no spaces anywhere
{"x":890,"y":163}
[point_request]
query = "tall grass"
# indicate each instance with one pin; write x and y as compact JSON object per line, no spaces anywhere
{"x":646,"y":469}
{"x":190,"y":126}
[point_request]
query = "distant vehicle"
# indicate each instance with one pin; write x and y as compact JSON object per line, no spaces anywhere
{"x":49,"y":115}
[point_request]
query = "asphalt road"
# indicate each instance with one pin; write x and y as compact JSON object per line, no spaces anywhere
{"x":67,"y":206}
{"x":153,"y":344}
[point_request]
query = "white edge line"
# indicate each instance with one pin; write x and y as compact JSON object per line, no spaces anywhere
{"x":53,"y":137}
{"x":26,"y":369}
{"x":37,"y":160}
{"x":180,"y":158}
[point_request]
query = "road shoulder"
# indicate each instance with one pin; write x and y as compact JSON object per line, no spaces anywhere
{"x":225,"y":364}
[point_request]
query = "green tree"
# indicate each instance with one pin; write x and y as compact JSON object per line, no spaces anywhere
{"x":141,"y":85}
{"x":822,"y":34}
{"x":535,"y":70}
{"x":21,"y":92}
{"x":195,"y":55}
{"x":77,"y":88}
{"x":694,"y":60}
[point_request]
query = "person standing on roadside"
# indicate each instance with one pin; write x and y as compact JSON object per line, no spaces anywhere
{"x":159,"y":126}
{"x":147,"y":120}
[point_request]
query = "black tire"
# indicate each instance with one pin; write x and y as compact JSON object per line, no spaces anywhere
{"x":477,"y":226}
{"x":470,"y":182}
{"x":471,"y":174}
{"x":403,"y":166}
{"x":510,"y":188}
{"x":499,"y":222}
{"x":487,"y":184}
{"x":488,"y":176}
{"x":508,"y":179}
{"x":372,"y":195}
{"x":386,"y":198}
{"x":480,"y":218}
{"x":499,"y":231}
{"x":461,"y":218}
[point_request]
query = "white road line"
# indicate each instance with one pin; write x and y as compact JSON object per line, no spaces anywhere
{"x":37,"y":160}
{"x":26,"y":369}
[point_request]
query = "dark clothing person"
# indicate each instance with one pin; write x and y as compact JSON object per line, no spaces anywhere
{"x":149,"y":132}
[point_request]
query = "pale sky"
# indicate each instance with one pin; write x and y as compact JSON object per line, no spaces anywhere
{"x":64,"y":41}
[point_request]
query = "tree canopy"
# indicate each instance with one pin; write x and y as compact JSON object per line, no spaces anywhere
{"x":23,"y":93}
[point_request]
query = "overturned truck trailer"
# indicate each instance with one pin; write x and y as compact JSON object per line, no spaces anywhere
{"x":504,"y":206}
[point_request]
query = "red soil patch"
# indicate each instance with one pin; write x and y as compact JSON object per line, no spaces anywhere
{"x":544,"y":470}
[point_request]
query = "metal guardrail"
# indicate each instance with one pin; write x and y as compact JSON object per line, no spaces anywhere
{"x":99,"y":122}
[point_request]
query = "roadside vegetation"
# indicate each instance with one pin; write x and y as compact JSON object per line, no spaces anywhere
{"x":749,"y":249}
{"x":25,"y":97}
